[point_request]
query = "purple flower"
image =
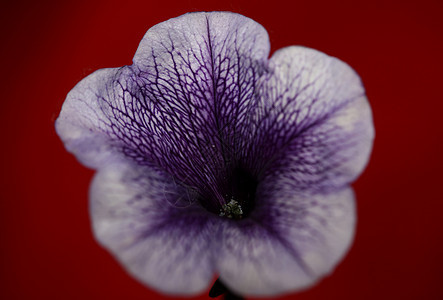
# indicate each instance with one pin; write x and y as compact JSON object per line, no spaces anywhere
{"x":212,"y":159}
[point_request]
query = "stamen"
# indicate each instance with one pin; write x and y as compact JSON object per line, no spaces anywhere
{"x":231,"y":210}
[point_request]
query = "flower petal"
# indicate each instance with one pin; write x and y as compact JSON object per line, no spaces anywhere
{"x":198,"y":73}
{"x":148,"y":224}
{"x":83,"y":124}
{"x":314,"y":121}
{"x":287,"y":244}
{"x":183,"y":105}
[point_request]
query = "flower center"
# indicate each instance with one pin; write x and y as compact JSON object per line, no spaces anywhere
{"x":232,"y":210}
{"x":234,"y":197}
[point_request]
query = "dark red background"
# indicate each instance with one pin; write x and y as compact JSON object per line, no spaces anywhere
{"x":47,"y":250}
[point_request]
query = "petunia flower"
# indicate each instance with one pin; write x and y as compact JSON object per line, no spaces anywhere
{"x":214,"y":160}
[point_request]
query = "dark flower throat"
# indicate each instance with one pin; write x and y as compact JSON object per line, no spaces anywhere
{"x":238,"y":190}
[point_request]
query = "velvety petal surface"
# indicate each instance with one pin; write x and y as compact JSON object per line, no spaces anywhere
{"x":287,"y":244}
{"x":198,"y":75}
{"x":153,"y":228}
{"x":311,"y":136}
{"x":83,"y":124}
{"x":183,"y":107}
{"x":313,"y":121}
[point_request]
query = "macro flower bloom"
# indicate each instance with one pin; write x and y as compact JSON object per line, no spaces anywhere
{"x":214,"y":160}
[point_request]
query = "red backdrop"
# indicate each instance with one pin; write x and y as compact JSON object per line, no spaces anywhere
{"x":47,"y":250}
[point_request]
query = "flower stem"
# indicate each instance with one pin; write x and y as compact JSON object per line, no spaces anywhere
{"x":230,"y":296}
{"x":220,"y":289}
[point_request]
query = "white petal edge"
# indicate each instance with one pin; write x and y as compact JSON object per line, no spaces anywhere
{"x":167,"y":248}
{"x":82,"y":124}
{"x":323,"y":98}
{"x":274,"y":257}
